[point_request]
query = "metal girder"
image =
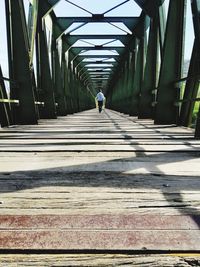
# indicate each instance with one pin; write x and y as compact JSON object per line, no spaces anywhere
{"x":197,"y":128}
{"x":191,"y":88}
{"x":138,"y":78}
{"x":45,"y":82}
{"x":98,"y":59}
{"x":134,"y":24}
{"x":150,"y":74}
{"x":58,"y":80}
{"x":149,"y":6}
{"x":162,"y":26}
{"x":99,"y":73}
{"x":195,"y":5}
{"x":64,"y":23}
{"x":94,"y":73}
{"x":77,"y":50}
{"x":166,"y":112}
{"x":67,"y":88}
{"x":18,"y":54}
{"x":97,"y":56}
{"x":5,"y":112}
{"x":47,"y":6}
{"x":143,"y":24}
{"x":99,"y":63}
{"x":32,"y":27}
{"x":53,"y":2}
{"x":79,"y":61}
{"x":71,"y":39}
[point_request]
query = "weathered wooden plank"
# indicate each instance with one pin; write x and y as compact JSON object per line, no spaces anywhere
{"x":100,"y":222}
{"x":92,"y":185}
{"x":99,"y":260}
{"x":101,"y":240}
{"x":100,"y":148}
{"x":90,"y":141}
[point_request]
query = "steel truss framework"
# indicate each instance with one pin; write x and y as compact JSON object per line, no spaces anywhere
{"x":66,"y":77}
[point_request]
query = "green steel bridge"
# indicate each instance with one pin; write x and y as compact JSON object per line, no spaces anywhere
{"x":142,"y":77}
{"x":79,"y":188}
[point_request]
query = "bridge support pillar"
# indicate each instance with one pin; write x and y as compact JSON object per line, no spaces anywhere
{"x":19,"y":69}
{"x":5,"y":112}
{"x":150,"y":73}
{"x":45,"y":81}
{"x":138,"y":77}
{"x":58,"y":78}
{"x":166,"y":111}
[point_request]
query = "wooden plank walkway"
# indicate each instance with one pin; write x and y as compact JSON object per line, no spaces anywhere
{"x":105,"y":183}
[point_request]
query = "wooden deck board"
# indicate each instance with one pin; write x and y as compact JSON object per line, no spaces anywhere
{"x":98,"y":260}
{"x":100,"y":165}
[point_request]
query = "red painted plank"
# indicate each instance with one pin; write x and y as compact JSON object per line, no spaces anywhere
{"x":101,"y":222}
{"x":101,"y":240}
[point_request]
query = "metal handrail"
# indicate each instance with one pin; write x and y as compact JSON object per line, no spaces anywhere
{"x":189,"y":100}
{"x":15,"y":101}
{"x":12,"y":101}
{"x":182,"y":80}
{"x":8,"y":79}
{"x":187,"y":78}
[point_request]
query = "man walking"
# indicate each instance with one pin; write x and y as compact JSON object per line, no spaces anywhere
{"x":100,"y":98}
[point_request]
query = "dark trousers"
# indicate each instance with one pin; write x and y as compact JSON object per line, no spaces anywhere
{"x":100,"y":104}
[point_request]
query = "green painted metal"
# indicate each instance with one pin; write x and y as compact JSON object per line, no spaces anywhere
{"x":32,"y":27}
{"x":80,"y":56}
{"x":130,"y":22}
{"x":48,"y":6}
{"x":131,"y":72}
{"x":138,"y":78}
{"x":150,"y":76}
{"x":78,"y":50}
{"x":18,"y":53}
{"x":195,"y":5}
{"x":66,"y":76}
{"x":150,"y":6}
{"x":60,"y":97}
{"x":191,"y":88}
{"x":72,"y":39}
{"x":45,"y":82}
{"x":5,"y":111}
{"x":130,"y":81}
{"x":166,"y":111}
{"x":162,"y":28}
{"x":197,"y":128}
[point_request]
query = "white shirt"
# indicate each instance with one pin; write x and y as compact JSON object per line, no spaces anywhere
{"x":100,"y":96}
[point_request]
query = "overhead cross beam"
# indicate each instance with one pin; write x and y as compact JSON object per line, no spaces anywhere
{"x":66,"y":22}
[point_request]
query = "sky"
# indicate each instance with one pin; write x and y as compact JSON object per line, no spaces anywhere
{"x":95,"y":7}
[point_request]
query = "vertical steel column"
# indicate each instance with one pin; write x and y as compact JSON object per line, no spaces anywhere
{"x":32,"y":28}
{"x":191,"y":88}
{"x":5,"y":112}
{"x":66,"y":75}
{"x":162,"y":27}
{"x":72,"y":83}
{"x":195,"y":4}
{"x":150,"y":75}
{"x":197,"y":129}
{"x":138,"y":77}
{"x":45,"y":82}
{"x":18,"y":53}
{"x":132,"y":67}
{"x":58,"y":77}
{"x":166,"y":112}
{"x":125,"y":89}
